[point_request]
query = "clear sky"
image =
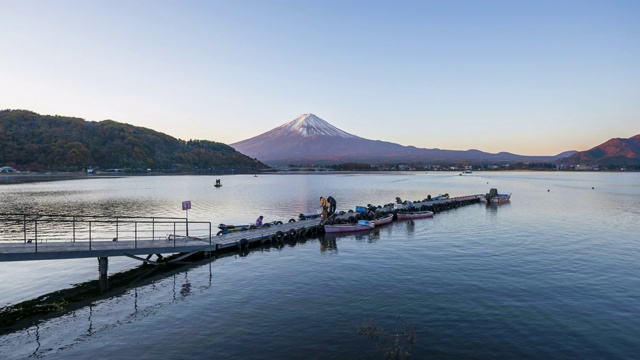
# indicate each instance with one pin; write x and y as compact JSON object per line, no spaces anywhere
{"x":529,"y":77}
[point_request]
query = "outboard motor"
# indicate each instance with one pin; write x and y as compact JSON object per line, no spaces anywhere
{"x":398,"y":200}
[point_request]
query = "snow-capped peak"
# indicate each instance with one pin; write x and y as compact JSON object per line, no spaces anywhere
{"x":309,"y":124}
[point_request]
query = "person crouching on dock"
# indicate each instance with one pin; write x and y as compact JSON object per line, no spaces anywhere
{"x":324,"y":204}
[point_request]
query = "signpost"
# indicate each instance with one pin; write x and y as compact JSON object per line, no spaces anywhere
{"x":186,"y":205}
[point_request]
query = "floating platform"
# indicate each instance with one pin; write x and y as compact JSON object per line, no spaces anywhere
{"x":144,"y":241}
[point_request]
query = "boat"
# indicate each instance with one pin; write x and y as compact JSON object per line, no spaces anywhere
{"x":359,"y":226}
{"x":383,"y":220}
{"x":227,"y":229}
{"x":414,"y":215}
{"x":218,"y":184}
{"x":308,"y":216}
{"x":500,"y":198}
{"x":441,"y":197}
{"x":493,"y":197}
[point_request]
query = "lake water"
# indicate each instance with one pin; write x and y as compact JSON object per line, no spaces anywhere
{"x":552,"y":274}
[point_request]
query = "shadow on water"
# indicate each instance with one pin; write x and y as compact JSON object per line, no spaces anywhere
{"x":30,"y":313}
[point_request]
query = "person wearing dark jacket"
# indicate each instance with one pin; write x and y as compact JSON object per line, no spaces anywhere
{"x":332,"y":205}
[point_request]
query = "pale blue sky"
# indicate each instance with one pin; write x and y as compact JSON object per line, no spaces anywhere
{"x":528,"y":77}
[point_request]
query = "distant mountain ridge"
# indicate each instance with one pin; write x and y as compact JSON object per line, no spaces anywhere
{"x":41,"y":142}
{"x":614,"y":152}
{"x":308,"y":139}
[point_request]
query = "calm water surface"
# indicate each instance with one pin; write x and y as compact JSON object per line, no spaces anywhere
{"x":553,"y":274}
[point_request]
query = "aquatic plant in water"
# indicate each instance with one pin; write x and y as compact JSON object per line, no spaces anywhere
{"x":396,"y":344}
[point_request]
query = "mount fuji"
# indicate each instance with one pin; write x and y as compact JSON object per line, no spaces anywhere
{"x":308,"y":139}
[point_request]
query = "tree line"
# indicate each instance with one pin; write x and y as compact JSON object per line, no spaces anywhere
{"x":41,"y":142}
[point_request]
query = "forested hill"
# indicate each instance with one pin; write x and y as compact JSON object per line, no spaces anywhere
{"x":41,"y":142}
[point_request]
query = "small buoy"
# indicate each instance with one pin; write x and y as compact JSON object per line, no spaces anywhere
{"x":592,"y":188}
{"x":548,"y":190}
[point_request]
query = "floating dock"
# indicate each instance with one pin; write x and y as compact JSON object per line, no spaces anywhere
{"x":103,"y":237}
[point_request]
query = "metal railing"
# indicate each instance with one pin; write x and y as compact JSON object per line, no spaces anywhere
{"x":40,"y":228}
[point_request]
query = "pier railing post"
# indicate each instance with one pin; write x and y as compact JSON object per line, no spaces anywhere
{"x":117,"y":236}
{"x":135,"y":242}
{"x":209,"y":234}
{"x":89,"y":235}
{"x":35,"y":225}
{"x":24,"y":223}
{"x":153,"y":228}
{"x":174,"y":234}
{"x":74,"y":229}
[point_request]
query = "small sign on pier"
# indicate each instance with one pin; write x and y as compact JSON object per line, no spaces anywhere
{"x":186,"y":205}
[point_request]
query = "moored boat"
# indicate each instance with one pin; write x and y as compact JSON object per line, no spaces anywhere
{"x":308,"y":216}
{"x":415,"y":215}
{"x":500,"y":198}
{"x":359,"y":226}
{"x":493,"y":197}
{"x":383,"y":220}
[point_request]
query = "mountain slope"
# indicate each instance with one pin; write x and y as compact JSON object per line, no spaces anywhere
{"x":614,"y":152}
{"x":309,"y":139}
{"x":64,"y":143}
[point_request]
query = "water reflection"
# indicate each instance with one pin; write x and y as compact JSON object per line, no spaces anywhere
{"x":329,"y":244}
{"x":37,"y":339}
{"x":374,"y":236}
{"x":186,"y":287}
{"x":411,"y":227}
{"x":492,"y":208}
{"x":90,"y":329}
{"x":101,"y":316}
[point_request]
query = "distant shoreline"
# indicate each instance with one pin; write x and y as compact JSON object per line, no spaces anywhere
{"x":24,"y":178}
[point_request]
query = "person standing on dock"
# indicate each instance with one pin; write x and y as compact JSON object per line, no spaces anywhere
{"x":332,"y":205}
{"x":324,"y":205}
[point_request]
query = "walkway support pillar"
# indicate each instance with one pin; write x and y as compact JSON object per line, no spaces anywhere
{"x":103,"y":267}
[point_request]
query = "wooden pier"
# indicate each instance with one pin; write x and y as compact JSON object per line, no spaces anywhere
{"x":136,"y":237}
